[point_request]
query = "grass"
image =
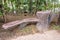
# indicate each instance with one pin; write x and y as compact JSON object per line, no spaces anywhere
{"x":55,"y":27}
{"x":0,"y":14}
{"x":31,"y":29}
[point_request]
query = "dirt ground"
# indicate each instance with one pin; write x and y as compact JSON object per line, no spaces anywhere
{"x":47,"y":35}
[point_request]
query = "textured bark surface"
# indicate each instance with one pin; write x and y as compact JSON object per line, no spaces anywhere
{"x":55,"y":15}
{"x":43,"y":20}
{"x":22,"y":23}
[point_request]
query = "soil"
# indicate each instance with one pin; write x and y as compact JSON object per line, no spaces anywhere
{"x":47,"y":35}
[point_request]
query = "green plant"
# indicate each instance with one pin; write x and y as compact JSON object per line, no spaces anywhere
{"x":56,"y":27}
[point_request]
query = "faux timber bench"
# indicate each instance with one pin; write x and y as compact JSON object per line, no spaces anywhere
{"x":43,"y":19}
{"x":18,"y":22}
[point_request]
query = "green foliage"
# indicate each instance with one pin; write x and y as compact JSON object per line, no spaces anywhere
{"x":56,"y":27}
{"x":0,"y":13}
{"x":29,"y":5}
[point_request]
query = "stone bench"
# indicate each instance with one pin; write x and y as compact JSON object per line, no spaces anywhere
{"x":43,"y":19}
{"x":43,"y":23}
{"x":22,"y":23}
{"x":46,"y":17}
{"x":54,"y":15}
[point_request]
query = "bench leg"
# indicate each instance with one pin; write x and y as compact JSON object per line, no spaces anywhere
{"x":22,"y":25}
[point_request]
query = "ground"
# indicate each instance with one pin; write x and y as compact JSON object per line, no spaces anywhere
{"x":47,"y":35}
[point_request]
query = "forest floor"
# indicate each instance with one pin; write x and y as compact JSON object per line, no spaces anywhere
{"x":16,"y":32}
{"x":48,"y":35}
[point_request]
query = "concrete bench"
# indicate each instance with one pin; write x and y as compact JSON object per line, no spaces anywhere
{"x":43,"y":23}
{"x":54,"y":15}
{"x":19,"y":22}
{"x":44,"y":18}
